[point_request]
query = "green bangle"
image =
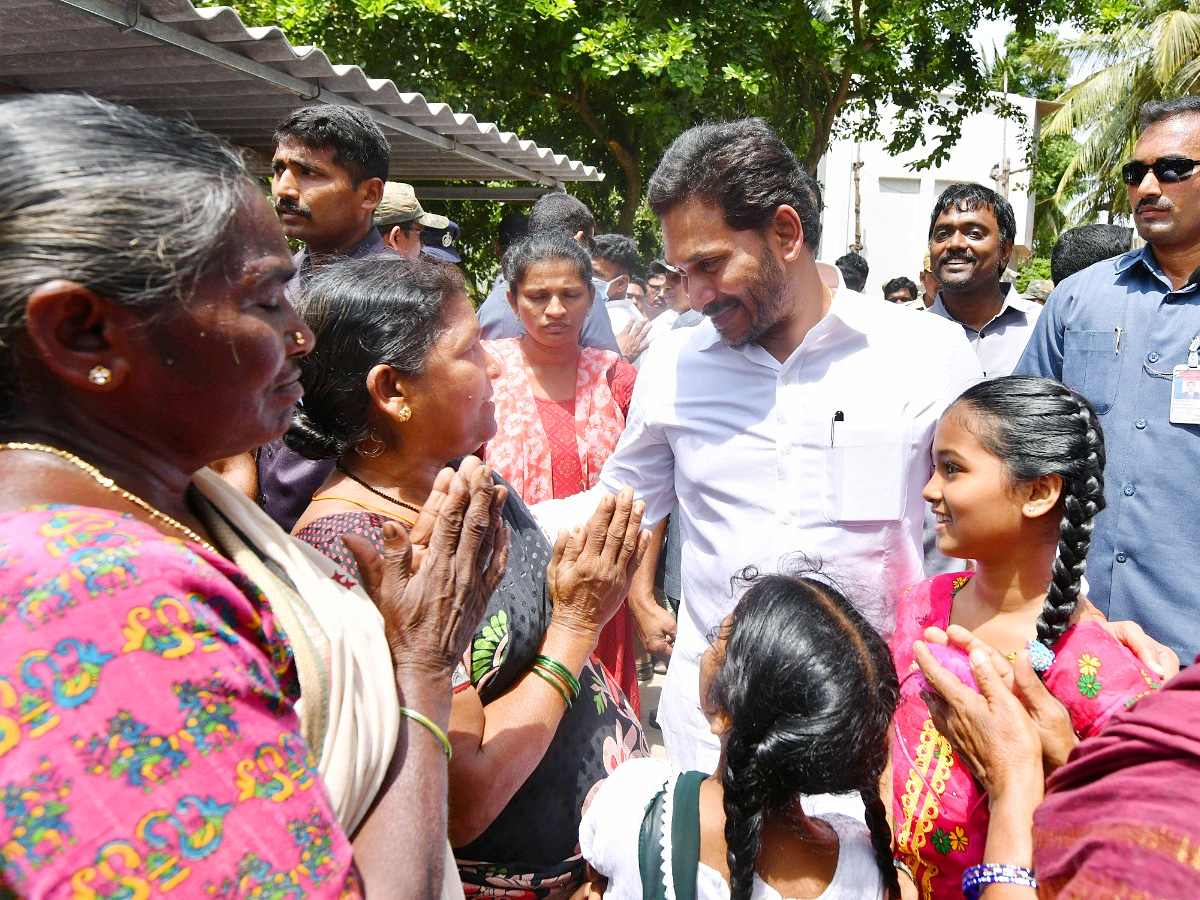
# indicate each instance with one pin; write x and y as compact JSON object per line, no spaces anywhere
{"x":431,"y":725}
{"x":553,"y":665}
{"x":554,"y":682}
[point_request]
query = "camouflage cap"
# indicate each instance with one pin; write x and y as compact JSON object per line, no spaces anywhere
{"x":400,"y":205}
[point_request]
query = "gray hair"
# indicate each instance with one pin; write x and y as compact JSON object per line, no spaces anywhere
{"x":131,"y":206}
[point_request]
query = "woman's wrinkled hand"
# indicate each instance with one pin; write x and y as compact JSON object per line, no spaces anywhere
{"x":421,"y":532}
{"x":591,"y":569}
{"x":431,"y":613}
{"x":1050,"y":717}
{"x":989,"y":729}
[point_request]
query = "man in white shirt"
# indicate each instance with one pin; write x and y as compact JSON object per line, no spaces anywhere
{"x":971,"y":236}
{"x":789,"y":421}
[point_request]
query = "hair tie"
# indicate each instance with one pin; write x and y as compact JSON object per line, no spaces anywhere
{"x":1041,"y":657}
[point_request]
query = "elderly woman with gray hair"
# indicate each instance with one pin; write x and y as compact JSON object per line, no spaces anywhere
{"x":189,"y":703}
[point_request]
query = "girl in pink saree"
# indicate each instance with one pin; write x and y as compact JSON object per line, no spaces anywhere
{"x":1017,"y":484}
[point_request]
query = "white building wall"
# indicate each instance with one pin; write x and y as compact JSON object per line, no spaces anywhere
{"x":896,"y":201}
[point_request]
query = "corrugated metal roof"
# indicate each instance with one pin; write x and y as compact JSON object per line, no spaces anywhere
{"x":168,"y":57}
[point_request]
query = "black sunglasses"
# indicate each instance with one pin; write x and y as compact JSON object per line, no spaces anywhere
{"x":1169,"y":169}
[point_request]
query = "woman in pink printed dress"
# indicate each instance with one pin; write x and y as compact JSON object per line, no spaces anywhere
{"x":158,"y":737}
{"x":1018,"y":481}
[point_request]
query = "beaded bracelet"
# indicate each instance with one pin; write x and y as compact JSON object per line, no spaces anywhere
{"x":541,"y":670}
{"x":553,"y":665}
{"x":431,"y":725}
{"x":976,"y":878}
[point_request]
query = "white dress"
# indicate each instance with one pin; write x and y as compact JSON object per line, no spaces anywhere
{"x":612,"y":823}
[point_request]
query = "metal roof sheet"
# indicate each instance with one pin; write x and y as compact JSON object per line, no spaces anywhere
{"x":168,"y":57}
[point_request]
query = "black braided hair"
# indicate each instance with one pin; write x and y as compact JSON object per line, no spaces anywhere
{"x":1039,"y":427}
{"x":810,"y":689}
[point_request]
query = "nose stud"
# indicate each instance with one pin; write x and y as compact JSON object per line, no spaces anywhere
{"x":299,"y":339}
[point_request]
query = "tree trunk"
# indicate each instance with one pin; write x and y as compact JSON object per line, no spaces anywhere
{"x":633,"y":193}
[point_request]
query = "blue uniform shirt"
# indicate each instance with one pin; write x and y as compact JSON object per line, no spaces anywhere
{"x":1112,"y":332}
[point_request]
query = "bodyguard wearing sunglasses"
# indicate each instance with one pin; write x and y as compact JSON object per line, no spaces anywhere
{"x":1122,"y":333}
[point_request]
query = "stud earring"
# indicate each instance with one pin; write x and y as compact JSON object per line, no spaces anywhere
{"x":100,"y":375}
{"x":1032,"y":510}
{"x":404,"y":415}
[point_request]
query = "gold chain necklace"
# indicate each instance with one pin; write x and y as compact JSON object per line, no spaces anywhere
{"x":106,"y":482}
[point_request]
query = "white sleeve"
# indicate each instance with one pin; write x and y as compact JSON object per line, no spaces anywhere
{"x":612,"y":823}
{"x":642,"y":460}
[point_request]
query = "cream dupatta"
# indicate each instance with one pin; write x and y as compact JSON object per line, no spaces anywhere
{"x":348,"y":708}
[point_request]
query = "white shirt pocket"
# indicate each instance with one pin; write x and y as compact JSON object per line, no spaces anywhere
{"x":866,"y":472}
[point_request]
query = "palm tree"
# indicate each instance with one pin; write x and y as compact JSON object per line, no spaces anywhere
{"x":1152,"y":53}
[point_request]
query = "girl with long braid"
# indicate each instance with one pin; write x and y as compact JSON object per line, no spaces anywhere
{"x":800,"y":689}
{"x":1018,"y":481}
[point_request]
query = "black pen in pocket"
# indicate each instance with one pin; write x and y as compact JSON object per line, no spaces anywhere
{"x":838,"y":416}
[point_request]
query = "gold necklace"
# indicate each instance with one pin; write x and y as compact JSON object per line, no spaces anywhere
{"x":104,"y":481}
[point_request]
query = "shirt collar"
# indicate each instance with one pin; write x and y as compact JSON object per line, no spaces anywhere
{"x":847,"y":309}
{"x":371,"y":245}
{"x":1142,"y":255}
{"x":1012,"y":300}
{"x":1145,"y":256}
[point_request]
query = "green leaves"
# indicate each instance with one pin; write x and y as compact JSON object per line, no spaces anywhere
{"x":1140,"y":50}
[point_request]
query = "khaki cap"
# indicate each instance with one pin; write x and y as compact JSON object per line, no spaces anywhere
{"x":399,"y":205}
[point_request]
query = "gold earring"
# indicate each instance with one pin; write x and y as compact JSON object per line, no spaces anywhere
{"x":404,"y":415}
{"x":100,"y":375}
{"x":299,"y":338}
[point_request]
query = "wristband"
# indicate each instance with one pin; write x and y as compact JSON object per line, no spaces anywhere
{"x":553,"y":681}
{"x":553,"y":665}
{"x":976,"y":878}
{"x":431,"y":725}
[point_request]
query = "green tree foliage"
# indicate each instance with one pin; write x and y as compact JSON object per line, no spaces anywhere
{"x":1036,"y":66}
{"x":1031,"y":66}
{"x":613,"y":81}
{"x":1136,"y":50}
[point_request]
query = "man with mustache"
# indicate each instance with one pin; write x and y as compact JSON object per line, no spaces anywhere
{"x":971,"y":236}
{"x":788,"y":421}
{"x":1121,"y":333}
{"x":329,"y":169}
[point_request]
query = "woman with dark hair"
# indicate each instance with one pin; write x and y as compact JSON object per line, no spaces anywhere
{"x":1018,"y":481}
{"x":189,"y":704}
{"x":800,"y":689}
{"x":560,"y":407}
{"x":398,"y":384}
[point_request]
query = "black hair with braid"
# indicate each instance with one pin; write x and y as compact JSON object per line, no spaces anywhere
{"x":810,"y":689}
{"x":1039,"y":427}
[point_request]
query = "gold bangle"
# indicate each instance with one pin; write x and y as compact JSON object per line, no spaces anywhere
{"x":554,"y":682}
{"x":431,"y":725}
